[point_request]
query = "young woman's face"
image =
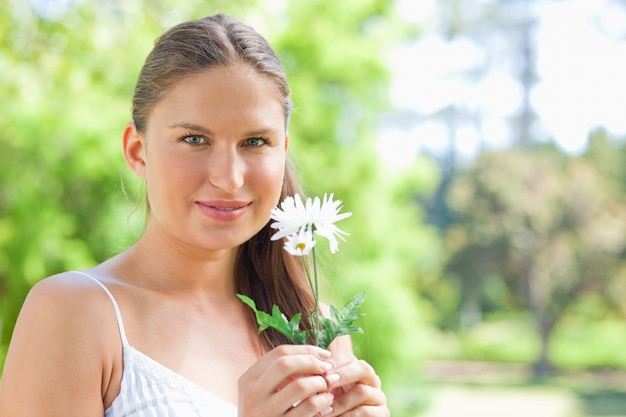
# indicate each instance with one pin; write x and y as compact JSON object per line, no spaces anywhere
{"x":214,"y":152}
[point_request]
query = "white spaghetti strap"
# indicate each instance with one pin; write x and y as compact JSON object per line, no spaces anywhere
{"x":120,"y":324}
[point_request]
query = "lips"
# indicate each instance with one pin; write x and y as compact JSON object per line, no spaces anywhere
{"x":225,"y":204}
{"x":223,"y":210}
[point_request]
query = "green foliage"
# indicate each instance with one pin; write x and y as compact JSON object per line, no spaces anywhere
{"x":578,"y":344}
{"x":505,"y":339}
{"x":341,"y":322}
{"x":277,"y":320}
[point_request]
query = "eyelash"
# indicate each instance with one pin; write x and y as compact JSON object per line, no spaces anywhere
{"x":192,"y":135}
{"x":264,"y":140}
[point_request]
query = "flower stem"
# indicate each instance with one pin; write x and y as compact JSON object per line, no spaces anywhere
{"x":317,"y":299}
{"x":313,"y":284}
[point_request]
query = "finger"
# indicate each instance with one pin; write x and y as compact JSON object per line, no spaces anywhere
{"x":292,"y":367}
{"x":367,"y":400}
{"x":315,"y":405}
{"x":269,"y":358}
{"x":364,"y":411}
{"x":276,"y":370}
{"x":342,"y":359}
{"x":303,"y":393}
{"x":357,"y":371}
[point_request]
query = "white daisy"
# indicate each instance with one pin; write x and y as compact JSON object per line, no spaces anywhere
{"x":316,"y":215}
{"x":300,"y":243}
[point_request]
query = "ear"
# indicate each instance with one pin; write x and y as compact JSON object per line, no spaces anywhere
{"x":286,"y":141}
{"x":134,"y":150}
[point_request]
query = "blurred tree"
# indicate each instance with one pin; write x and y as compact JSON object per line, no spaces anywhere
{"x":550,"y":226}
{"x":503,"y":32}
{"x":502,"y":35}
{"x":608,"y":155}
{"x":69,"y":74}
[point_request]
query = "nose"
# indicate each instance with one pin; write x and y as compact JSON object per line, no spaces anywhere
{"x":226,"y":169}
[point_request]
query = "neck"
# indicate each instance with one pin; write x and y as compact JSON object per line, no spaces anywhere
{"x":174,"y":267}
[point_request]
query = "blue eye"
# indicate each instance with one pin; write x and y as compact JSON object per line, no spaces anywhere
{"x":193,"y":139}
{"x":256,"y":142}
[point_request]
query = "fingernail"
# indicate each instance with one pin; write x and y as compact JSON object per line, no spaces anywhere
{"x":327,"y":366}
{"x":324,"y":354}
{"x":332,"y":378}
{"x":330,"y":408}
{"x":327,"y":411}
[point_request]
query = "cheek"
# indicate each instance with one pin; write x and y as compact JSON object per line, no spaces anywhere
{"x":178,"y":169}
{"x":276,"y":187}
{"x":171,"y":178}
{"x":279,"y":179}
{"x":270,"y":178}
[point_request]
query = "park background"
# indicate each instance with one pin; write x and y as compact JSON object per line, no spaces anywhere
{"x":488,"y":188}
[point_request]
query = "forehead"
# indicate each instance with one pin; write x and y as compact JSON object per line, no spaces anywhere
{"x":222,"y":96}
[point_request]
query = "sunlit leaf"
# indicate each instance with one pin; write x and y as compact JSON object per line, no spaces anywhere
{"x":278,"y":321}
{"x":341,"y":322}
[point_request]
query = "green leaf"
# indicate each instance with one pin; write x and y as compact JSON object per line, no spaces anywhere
{"x":341,"y":322}
{"x":278,"y":321}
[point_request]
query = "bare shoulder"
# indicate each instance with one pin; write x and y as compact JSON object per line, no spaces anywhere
{"x":68,"y":303}
{"x":57,"y":354}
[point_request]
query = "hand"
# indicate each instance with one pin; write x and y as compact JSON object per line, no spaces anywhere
{"x":356,"y":388}
{"x":288,"y":381}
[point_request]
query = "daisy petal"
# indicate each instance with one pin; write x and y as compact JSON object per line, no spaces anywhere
{"x":290,"y":217}
{"x":326,"y":218}
{"x":332,"y":232}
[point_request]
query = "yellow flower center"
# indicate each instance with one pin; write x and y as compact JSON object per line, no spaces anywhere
{"x":301,"y":247}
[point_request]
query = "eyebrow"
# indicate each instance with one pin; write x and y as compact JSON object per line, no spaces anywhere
{"x":198,"y":128}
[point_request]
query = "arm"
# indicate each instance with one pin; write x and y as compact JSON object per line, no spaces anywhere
{"x":54,"y":363}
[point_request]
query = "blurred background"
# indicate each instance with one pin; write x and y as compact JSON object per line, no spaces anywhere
{"x":478,"y":143}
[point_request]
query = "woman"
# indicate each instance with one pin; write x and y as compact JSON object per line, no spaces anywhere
{"x":158,"y":330}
